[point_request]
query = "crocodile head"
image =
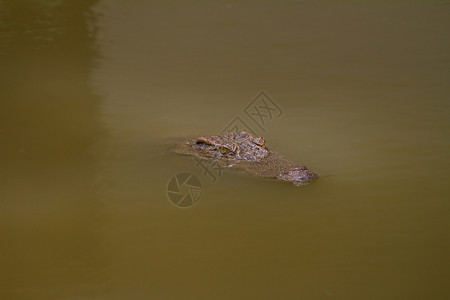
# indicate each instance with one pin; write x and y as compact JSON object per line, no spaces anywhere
{"x":233,"y":146}
{"x":248,"y":153}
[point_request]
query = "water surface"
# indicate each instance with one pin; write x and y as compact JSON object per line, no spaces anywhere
{"x":93,"y":93}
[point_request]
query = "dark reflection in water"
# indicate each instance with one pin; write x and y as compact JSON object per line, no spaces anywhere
{"x":48,"y":121}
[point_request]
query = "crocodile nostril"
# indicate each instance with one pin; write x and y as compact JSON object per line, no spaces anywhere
{"x":202,"y":142}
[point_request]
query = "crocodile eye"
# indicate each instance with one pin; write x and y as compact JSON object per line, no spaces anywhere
{"x":224,"y":150}
{"x":259,"y":141}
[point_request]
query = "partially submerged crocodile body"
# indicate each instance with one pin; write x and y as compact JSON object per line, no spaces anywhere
{"x":243,"y":151}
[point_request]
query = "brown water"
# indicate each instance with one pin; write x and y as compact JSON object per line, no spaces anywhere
{"x":91,"y":93}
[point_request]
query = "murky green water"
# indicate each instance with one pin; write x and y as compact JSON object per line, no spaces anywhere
{"x":92,"y":92}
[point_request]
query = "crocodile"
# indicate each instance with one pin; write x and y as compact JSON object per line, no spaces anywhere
{"x":246,"y":152}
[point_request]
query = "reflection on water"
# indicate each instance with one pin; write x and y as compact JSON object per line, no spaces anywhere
{"x":49,"y":213}
{"x":91,"y":94}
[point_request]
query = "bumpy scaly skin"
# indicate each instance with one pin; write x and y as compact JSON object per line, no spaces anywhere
{"x":246,"y":152}
{"x":232,"y":147}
